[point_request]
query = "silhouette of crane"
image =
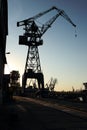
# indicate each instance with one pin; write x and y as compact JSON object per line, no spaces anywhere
{"x":51,"y":84}
{"x":33,"y":38}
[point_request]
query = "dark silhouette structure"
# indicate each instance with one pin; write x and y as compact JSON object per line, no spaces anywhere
{"x":3,"y":34}
{"x":85,"y":85}
{"x":33,"y":38}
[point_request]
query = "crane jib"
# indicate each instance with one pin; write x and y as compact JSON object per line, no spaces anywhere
{"x":60,"y":12}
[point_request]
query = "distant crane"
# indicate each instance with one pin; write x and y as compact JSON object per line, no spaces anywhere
{"x":33,"y":38}
{"x":51,"y":84}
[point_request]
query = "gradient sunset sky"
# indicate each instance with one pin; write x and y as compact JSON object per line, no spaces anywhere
{"x":63,"y":56}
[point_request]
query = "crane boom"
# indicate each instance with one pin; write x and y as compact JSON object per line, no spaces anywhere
{"x":48,"y":24}
{"x":67,"y":18}
{"x":60,"y":12}
{"x":26,"y":21}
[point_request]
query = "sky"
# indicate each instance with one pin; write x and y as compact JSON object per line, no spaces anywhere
{"x":62,"y":56}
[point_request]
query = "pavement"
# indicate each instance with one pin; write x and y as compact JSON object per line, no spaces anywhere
{"x":31,"y":114}
{"x":76,"y":111}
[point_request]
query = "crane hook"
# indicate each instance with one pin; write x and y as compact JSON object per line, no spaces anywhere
{"x":75,"y":33}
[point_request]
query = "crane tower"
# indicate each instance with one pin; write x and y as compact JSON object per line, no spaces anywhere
{"x":33,"y":38}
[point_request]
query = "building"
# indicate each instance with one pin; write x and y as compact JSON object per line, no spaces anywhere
{"x":3,"y":35}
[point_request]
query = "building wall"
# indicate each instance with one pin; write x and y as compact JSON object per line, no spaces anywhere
{"x":3,"y":23}
{"x":3,"y":34}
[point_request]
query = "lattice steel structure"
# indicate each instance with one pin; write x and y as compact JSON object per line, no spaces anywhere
{"x":32,"y":38}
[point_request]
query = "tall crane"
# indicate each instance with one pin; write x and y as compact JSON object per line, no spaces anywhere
{"x":33,"y":38}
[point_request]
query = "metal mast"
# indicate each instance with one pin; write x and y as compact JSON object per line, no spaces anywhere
{"x":32,"y":66}
{"x":32,"y":35}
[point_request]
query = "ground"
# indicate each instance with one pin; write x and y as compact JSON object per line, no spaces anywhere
{"x":35,"y":114}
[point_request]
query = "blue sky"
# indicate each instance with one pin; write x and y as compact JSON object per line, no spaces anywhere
{"x":63,"y":56}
